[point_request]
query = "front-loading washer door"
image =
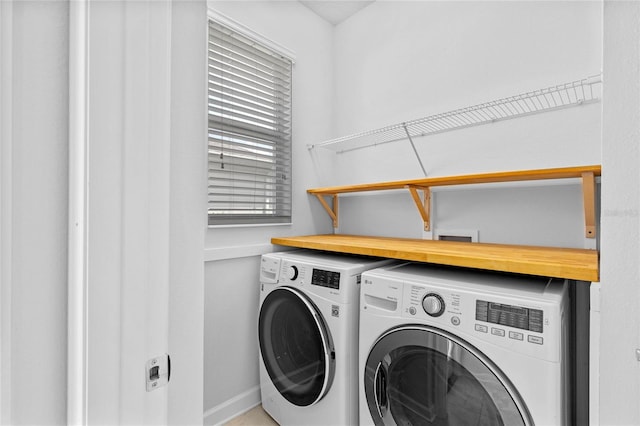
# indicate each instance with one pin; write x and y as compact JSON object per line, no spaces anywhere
{"x":420,"y":375}
{"x":296,"y":346}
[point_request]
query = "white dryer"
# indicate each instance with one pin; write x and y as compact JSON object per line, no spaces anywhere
{"x":445,"y":346}
{"x":308,"y":336}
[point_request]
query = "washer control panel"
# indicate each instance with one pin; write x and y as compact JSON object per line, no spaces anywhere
{"x":334,"y":284}
{"x":430,"y":303}
{"x":292,"y":272}
{"x":298,"y":274}
{"x":323,"y":278}
{"x":521,"y":327}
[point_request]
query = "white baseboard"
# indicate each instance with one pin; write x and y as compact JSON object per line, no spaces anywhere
{"x":233,"y":407}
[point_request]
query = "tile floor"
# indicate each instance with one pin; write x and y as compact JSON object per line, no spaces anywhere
{"x":254,"y":417}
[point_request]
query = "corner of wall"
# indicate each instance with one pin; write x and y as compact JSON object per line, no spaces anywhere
{"x":6,"y":47}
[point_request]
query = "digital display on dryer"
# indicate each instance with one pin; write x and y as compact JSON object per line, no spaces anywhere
{"x":509,"y":315}
{"x":327,"y":279}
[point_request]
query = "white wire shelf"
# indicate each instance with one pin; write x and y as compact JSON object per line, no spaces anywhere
{"x":565,"y":95}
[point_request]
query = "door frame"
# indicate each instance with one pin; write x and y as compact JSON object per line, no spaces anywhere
{"x":77,"y":344}
{"x":137,"y":292}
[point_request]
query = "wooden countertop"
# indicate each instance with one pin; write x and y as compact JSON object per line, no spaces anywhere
{"x":575,"y":264}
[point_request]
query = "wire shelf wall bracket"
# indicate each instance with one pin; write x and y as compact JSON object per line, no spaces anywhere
{"x":575,"y":93}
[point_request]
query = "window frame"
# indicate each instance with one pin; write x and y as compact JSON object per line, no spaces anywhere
{"x":246,"y":220}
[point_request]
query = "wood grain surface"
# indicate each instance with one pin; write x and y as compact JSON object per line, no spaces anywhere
{"x":509,"y":176}
{"x":576,"y":264}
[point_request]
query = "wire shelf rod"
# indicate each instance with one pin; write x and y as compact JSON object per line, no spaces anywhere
{"x":429,"y":133}
{"x":547,"y":99}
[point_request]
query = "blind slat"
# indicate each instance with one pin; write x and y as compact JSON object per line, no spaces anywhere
{"x":249,"y":128}
{"x":269,"y":117}
{"x":239,"y":82}
{"x":222,"y":123}
{"x":244,"y":147}
{"x":224,"y":139}
{"x":230,"y":47}
{"x":246,"y":50}
{"x":267,"y":110}
{"x":242,"y":197}
{"x":269,"y":82}
{"x":243,"y":95}
{"x":227,"y":170}
{"x":265,"y":70}
{"x":246,"y":175}
{"x":242,"y":115}
{"x":242,"y":151}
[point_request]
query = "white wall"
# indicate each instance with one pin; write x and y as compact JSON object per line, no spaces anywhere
{"x":34,"y":211}
{"x":430,"y":57}
{"x":231,"y":275}
{"x":398,"y":61}
{"x":620,"y":249}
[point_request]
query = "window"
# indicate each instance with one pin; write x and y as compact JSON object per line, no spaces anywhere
{"x":249,"y":112}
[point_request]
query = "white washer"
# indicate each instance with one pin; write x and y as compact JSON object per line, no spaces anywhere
{"x":308,"y":335}
{"x":446,"y":346}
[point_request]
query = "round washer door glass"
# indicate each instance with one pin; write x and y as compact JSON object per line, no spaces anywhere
{"x":296,"y":346}
{"x":419,"y":375}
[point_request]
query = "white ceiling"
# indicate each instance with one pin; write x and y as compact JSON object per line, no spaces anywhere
{"x":335,"y":11}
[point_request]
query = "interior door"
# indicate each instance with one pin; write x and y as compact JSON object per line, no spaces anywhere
{"x":420,"y":375}
{"x":296,"y":346}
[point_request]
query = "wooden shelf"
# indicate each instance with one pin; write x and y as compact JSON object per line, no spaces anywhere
{"x":575,"y":264}
{"x":586,"y":173}
{"x":430,"y":182}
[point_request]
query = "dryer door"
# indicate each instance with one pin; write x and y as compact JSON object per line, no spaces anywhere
{"x":419,"y":375}
{"x":296,"y":346}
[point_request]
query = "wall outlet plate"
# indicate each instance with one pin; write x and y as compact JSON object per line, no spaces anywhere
{"x":470,"y":235}
{"x":157,"y":372}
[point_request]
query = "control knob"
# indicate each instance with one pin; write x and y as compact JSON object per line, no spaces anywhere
{"x":433,"y":304}
{"x":292,"y":272}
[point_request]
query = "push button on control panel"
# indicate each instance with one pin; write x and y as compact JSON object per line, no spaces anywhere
{"x":515,"y":335}
{"x":497,"y":331}
{"x":535,"y":339}
{"x":482,"y":328}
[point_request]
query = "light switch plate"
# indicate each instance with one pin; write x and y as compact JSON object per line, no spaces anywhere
{"x":157,"y":372}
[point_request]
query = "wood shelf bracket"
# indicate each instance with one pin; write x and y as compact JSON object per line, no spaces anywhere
{"x":422,"y":203}
{"x":589,"y":197}
{"x":332,"y":210}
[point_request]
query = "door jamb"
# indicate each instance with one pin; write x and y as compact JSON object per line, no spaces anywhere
{"x":77,"y":401}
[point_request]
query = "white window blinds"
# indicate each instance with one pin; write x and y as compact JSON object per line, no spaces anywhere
{"x":249,"y":99}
